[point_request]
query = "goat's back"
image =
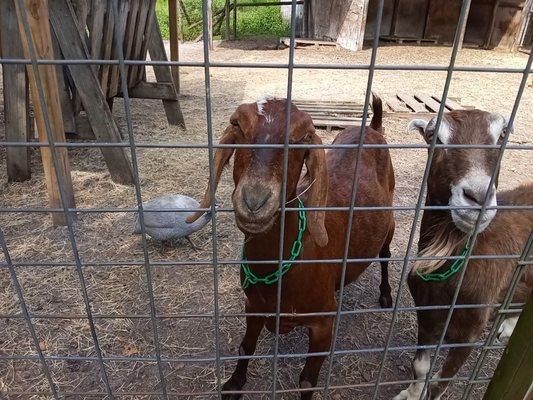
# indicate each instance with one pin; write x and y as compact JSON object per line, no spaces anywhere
{"x":371,"y":229}
{"x":376,"y":175}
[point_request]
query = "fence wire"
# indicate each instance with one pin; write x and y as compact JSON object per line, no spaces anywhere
{"x":503,"y":309}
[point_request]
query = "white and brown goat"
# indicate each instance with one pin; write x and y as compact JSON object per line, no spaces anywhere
{"x":460,"y":177}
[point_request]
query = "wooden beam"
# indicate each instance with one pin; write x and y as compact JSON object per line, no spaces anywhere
{"x":153,"y":90}
{"x":40,"y":35}
{"x":209,"y":5}
{"x":174,"y":42}
{"x":162,"y":73}
{"x":91,"y":95}
{"x":227,"y":11}
{"x":394,"y":18}
{"x":512,"y":378}
{"x":490,"y":28}
{"x":18,"y":123}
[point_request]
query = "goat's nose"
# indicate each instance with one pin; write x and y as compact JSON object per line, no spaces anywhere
{"x":477,"y":196}
{"x":255,"y":198}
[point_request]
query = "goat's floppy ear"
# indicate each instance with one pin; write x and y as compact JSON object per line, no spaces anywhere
{"x":418,"y":125}
{"x":318,"y":192}
{"x":221,"y":158}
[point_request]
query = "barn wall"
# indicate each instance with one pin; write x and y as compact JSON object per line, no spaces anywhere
{"x":411,"y":18}
{"x":507,"y":24}
{"x":342,"y":21}
{"x":386,"y":19}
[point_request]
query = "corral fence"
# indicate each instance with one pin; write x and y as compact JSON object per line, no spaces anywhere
{"x":33,"y":61}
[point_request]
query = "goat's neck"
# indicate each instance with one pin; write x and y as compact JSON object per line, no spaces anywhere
{"x":431,"y":219}
{"x":265,"y":246}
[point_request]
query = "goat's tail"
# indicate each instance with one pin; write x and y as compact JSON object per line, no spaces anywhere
{"x":377,"y":117}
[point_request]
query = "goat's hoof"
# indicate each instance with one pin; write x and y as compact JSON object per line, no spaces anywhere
{"x":506,"y":329}
{"x":385,"y":301}
{"x":232,"y":385}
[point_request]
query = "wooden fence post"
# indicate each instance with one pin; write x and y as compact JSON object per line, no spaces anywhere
{"x":16,"y":96}
{"x":174,"y":42}
{"x":38,"y":20}
{"x":513,"y":376}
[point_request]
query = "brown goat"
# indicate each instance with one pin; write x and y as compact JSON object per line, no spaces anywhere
{"x":460,"y":177}
{"x":257,"y":176}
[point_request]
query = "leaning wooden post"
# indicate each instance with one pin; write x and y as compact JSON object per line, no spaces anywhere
{"x":227,"y":17}
{"x":174,"y":42}
{"x":16,"y":96}
{"x":36,"y":12}
{"x":512,"y":379}
{"x":209,"y":23}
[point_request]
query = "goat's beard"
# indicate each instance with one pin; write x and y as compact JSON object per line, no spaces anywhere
{"x":446,"y":242}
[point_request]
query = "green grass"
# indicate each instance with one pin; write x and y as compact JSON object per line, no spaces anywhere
{"x":251,"y":21}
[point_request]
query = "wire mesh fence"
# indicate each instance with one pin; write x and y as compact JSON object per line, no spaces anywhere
{"x":160,"y":361}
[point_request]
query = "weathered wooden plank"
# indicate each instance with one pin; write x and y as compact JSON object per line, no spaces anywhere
{"x":67,"y":107}
{"x":430,"y":103}
{"x":153,"y":90}
{"x":163,"y":74}
{"x":174,"y":42}
{"x":512,"y":378}
{"x":114,"y":80}
{"x":138,"y":41}
{"x":395,"y":104}
{"x":107,"y":49}
{"x":96,"y":31}
{"x":40,"y":35}
{"x":91,"y":95}
{"x":410,"y":101}
{"x":150,"y":21}
{"x":129,"y":35}
{"x":209,"y":5}
{"x":450,"y":103}
{"x":16,"y":104}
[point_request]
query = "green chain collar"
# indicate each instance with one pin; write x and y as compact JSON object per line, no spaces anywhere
{"x":250,"y":278}
{"x":454,"y":268}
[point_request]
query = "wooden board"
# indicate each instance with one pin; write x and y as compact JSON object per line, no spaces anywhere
{"x":50,"y":105}
{"x":401,"y":40}
{"x":395,"y":105}
{"x":332,"y":114}
{"x":412,"y":103}
{"x":307,"y":42}
{"x":91,"y":95}
{"x":450,"y":103}
{"x":430,"y":103}
{"x":163,"y":74}
{"x":16,"y":102}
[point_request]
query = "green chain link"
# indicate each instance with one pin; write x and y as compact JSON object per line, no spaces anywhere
{"x":454,"y":268}
{"x":252,"y":279}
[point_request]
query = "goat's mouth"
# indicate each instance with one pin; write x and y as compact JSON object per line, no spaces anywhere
{"x":256,"y":226}
{"x":466,"y":221}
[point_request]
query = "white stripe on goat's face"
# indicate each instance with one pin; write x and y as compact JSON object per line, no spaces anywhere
{"x":460,"y":177}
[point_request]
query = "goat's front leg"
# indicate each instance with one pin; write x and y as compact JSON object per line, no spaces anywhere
{"x":421,"y":364}
{"x":319,"y":342}
{"x":254,"y":326}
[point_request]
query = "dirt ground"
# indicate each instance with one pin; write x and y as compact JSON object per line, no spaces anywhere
{"x":188,"y":289}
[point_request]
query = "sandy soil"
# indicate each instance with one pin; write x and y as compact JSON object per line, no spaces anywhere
{"x":120,"y":289}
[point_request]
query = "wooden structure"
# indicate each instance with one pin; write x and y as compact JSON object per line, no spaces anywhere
{"x":341,"y":114}
{"x":490,"y":23}
{"x":79,"y":97}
